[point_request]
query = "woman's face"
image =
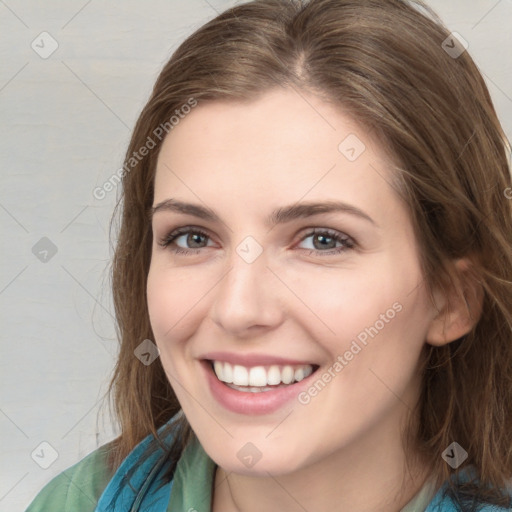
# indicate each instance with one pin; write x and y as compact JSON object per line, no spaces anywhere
{"x":267,"y":288}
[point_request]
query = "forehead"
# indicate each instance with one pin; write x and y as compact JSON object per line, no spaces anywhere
{"x":284,"y":146}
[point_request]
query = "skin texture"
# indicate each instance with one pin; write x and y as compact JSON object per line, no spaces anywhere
{"x":341,"y":451}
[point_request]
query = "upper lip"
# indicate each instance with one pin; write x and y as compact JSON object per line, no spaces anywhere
{"x":250,"y":360}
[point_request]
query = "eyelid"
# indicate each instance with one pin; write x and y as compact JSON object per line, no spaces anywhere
{"x":312,"y":230}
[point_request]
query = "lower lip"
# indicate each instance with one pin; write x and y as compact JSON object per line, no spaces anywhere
{"x":241,"y":402}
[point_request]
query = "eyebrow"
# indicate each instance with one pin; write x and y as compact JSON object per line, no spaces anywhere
{"x":278,"y":216}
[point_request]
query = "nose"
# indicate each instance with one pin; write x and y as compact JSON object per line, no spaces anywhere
{"x":249,"y":299}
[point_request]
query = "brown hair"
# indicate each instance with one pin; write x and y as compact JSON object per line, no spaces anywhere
{"x":383,"y":63}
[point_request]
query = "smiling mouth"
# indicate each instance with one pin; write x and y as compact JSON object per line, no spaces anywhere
{"x":259,"y":379}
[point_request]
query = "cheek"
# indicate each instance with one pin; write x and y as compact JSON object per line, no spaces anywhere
{"x":162,"y":304}
{"x":165,"y":296}
{"x":338,"y":304}
{"x":377,"y":314}
{"x":176,"y":302}
{"x":380,"y":323}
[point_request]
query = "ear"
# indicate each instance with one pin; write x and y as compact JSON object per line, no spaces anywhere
{"x":458,"y":310}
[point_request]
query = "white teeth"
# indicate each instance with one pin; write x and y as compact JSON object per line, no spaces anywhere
{"x":258,"y":378}
{"x":299,"y":374}
{"x":273,"y":376}
{"x":218,"y":367}
{"x":248,"y":389}
{"x":287,"y":375}
{"x":240,"y":375}
{"x":227,"y":373}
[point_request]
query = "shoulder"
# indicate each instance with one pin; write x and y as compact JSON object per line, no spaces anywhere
{"x":78,"y":487}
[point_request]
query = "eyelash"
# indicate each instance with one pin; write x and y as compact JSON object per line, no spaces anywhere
{"x":348,"y":242}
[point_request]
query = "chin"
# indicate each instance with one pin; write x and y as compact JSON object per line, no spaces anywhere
{"x":256,"y":459}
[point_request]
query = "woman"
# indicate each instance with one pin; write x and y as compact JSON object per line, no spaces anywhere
{"x":312,"y":277}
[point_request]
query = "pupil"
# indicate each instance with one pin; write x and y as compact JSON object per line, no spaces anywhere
{"x":194,"y":238}
{"x":323,"y":237}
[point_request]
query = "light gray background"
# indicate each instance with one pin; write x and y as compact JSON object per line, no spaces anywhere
{"x":66,"y":122}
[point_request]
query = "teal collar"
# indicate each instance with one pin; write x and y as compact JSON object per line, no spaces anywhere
{"x":137,"y":485}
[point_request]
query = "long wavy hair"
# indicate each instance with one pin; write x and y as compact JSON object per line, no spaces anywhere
{"x":388,"y":65}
